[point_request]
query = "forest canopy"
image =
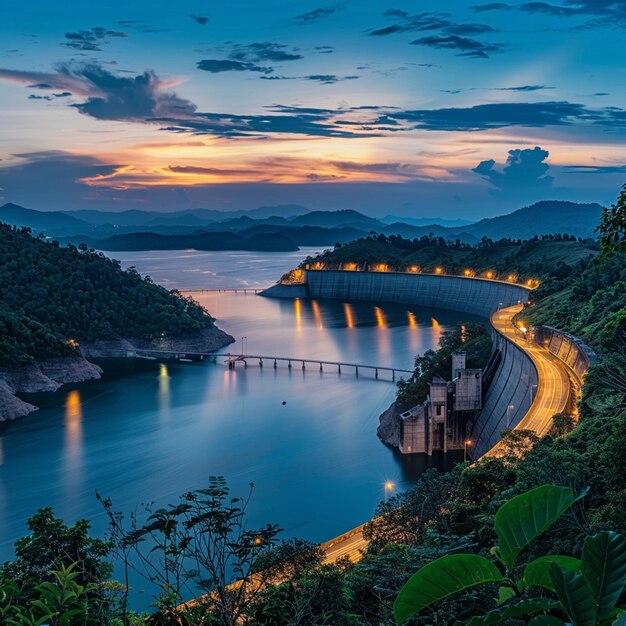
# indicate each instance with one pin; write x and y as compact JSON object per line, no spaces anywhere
{"x":53,"y":298}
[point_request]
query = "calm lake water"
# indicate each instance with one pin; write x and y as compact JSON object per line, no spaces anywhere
{"x":162,"y":428}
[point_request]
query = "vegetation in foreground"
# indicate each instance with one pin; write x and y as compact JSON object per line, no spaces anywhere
{"x":52,"y":298}
{"x":201,"y":544}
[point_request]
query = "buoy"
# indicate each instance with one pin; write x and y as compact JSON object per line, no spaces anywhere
{"x":284,"y":402}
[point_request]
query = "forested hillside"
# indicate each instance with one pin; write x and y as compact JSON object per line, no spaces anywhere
{"x":537,"y":258}
{"x":52,"y":298}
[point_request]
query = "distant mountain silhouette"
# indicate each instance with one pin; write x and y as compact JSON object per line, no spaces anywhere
{"x":334,"y":219}
{"x":425,"y":221}
{"x":547,"y":217}
{"x":16,"y":215}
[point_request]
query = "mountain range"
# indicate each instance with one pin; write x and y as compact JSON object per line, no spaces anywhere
{"x":286,"y":227}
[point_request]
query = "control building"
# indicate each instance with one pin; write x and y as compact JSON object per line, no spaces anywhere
{"x":440,"y":422}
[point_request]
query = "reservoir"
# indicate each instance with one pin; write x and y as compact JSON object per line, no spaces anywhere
{"x":149,"y":431}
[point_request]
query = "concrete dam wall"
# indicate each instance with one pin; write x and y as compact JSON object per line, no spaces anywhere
{"x":455,"y":293}
{"x":509,"y":396}
{"x":515,"y":380}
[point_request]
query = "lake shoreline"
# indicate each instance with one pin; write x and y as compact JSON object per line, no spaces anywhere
{"x":49,"y":375}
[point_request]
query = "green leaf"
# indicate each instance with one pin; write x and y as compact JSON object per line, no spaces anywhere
{"x":620,"y":620}
{"x":520,"y":609}
{"x":537,"y":572}
{"x":442,"y":578}
{"x":505,"y":594}
{"x":526,"y":516}
{"x":575,"y":595}
{"x":604,"y":567}
{"x":546,"y":620}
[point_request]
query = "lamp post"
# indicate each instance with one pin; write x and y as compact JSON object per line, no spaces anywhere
{"x":466,"y":443}
{"x":388,"y":487}
{"x":509,"y":409}
{"x":242,"y":344}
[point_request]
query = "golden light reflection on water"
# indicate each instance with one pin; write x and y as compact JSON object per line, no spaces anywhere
{"x":297,"y":310}
{"x":381,"y":322}
{"x":73,"y":424}
{"x":316,"y":314}
{"x":437,"y":330}
{"x":412,"y":319}
{"x":349,"y":315}
{"x":164,"y":386}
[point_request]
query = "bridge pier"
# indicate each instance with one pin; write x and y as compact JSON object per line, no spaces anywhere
{"x":339,"y":369}
{"x":357,"y":370}
{"x":393,"y":375}
{"x":376,"y":373}
{"x":260,"y":362}
{"x":275,"y":364}
{"x":303,"y":367}
{"x":321,"y":368}
{"x":289,"y":365}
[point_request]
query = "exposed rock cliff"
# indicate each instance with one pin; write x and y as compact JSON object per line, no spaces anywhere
{"x":50,"y":374}
{"x":47,"y":375}
{"x":389,"y":428}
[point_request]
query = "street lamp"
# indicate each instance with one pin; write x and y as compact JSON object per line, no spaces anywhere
{"x":509,"y":409}
{"x":389,"y":486}
{"x":242,"y":344}
{"x":466,"y":444}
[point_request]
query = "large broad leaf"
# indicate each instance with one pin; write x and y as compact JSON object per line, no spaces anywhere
{"x":604,"y":567}
{"x":440,"y":579}
{"x":575,"y":595}
{"x":523,"y":608}
{"x":526,"y":516}
{"x":537,"y":572}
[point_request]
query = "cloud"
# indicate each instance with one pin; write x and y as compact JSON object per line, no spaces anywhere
{"x":492,"y":116}
{"x":523,"y":88}
{"x":199,"y":19}
{"x":447,"y":34}
{"x":604,"y":13}
{"x":492,"y":6}
{"x":328,"y":79}
{"x":63,"y":94}
{"x":251,"y":58}
{"x":523,"y":176}
{"x":90,"y":40}
{"x":466,"y":46}
{"x":217,"y":66}
{"x":314,"y":15}
{"x":594,"y":169}
{"x":265,"y":51}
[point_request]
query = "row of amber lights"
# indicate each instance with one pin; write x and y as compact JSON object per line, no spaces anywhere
{"x":415,"y":269}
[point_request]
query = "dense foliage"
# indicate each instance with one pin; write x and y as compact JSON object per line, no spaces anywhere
{"x":612,"y":227}
{"x":52,"y":297}
{"x":505,"y":259}
{"x":473,"y":339}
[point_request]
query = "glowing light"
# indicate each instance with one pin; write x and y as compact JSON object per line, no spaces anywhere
{"x":438,"y":270}
{"x":469,"y":272}
{"x":463,"y":333}
{"x":489,"y":275}
{"x":316,"y":314}
{"x":349,"y":315}
{"x":164,"y":379}
{"x":468,"y":442}
{"x":295,"y":277}
{"x":350,"y":267}
{"x":511,"y":278}
{"x":381,"y":322}
{"x":297,"y":311}
{"x":412,"y":319}
{"x":414,"y":269}
{"x":73,"y":423}
{"x":381,"y":267}
{"x":72,"y":343}
{"x":389,"y":485}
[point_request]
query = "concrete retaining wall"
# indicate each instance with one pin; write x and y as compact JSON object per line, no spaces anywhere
{"x":509,"y":397}
{"x":515,"y":378}
{"x":467,"y":295}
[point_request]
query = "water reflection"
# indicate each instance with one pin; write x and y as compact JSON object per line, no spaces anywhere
{"x":164,"y":387}
{"x":349,"y":315}
{"x":381,"y":321}
{"x":297,"y":311}
{"x":316,"y":314}
{"x":437,"y":331}
{"x":73,"y":424}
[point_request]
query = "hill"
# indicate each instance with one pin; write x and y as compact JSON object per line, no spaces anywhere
{"x":16,"y":215}
{"x":542,"y":218}
{"x":534,"y":259}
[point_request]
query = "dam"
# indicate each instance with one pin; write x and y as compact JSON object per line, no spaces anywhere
{"x":514,"y":376}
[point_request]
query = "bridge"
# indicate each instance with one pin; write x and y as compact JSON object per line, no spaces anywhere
{"x":261,"y":360}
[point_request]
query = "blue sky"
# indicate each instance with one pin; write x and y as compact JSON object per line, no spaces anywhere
{"x":397,"y":107}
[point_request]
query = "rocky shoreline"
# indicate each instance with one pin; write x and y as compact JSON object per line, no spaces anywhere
{"x":388,"y":430}
{"x":50,"y":374}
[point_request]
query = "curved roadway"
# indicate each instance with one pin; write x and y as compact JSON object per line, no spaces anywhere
{"x":552,"y":397}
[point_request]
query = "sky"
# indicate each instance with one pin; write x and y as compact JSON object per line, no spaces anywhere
{"x":414,"y":108}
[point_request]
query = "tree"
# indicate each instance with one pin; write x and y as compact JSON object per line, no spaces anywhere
{"x":200,"y":553}
{"x":586,"y":589}
{"x":612,"y":227}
